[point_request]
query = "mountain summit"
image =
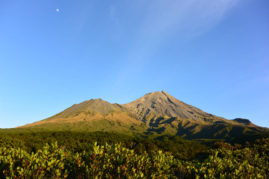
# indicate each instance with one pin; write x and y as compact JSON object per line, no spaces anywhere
{"x":155,"y":113}
{"x":161,"y":104}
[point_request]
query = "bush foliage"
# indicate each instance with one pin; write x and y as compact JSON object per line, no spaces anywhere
{"x":117,"y":161}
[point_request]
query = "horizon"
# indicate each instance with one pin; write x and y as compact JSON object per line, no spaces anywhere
{"x":127,"y":103}
{"x":211,"y":55}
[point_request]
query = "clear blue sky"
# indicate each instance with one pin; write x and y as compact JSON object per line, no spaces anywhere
{"x":210,"y":54}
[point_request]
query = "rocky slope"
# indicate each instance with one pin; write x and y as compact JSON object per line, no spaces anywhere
{"x":156,"y":113}
{"x":161,"y":104}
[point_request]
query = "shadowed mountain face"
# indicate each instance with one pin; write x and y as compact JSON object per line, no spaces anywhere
{"x":155,"y":113}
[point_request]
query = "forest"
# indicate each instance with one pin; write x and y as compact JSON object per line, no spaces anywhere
{"x":40,"y":154}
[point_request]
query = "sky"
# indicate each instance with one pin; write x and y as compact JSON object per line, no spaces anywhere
{"x":211,"y":54}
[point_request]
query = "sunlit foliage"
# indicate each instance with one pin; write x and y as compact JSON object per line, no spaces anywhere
{"x":116,"y":161}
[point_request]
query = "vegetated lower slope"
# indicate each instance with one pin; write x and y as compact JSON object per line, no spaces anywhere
{"x":156,"y":113}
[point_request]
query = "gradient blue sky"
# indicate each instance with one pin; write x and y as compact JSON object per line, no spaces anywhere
{"x":213,"y":54}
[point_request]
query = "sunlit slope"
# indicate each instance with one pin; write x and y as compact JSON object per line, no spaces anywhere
{"x":165,"y":114}
{"x":155,"y":113}
{"x":161,"y":104}
{"x":92,"y":115}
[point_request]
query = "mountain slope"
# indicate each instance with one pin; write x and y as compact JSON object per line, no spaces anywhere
{"x":92,"y":115}
{"x":156,"y":113}
{"x":165,"y":114}
{"x":161,"y":104}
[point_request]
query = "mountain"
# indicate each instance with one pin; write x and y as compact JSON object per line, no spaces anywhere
{"x":92,"y":115}
{"x":156,"y":113}
{"x":161,"y":104}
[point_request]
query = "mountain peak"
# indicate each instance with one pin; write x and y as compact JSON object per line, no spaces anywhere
{"x":154,"y":112}
{"x":160,"y":103}
{"x":97,"y":100}
{"x":156,"y":94}
{"x":90,"y":106}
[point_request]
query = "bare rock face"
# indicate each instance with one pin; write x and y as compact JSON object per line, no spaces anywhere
{"x":161,"y":104}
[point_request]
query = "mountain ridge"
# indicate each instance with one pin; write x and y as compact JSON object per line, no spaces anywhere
{"x":166,"y":105}
{"x":156,"y":113}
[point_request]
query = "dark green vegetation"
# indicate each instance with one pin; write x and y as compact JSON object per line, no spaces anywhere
{"x":32,"y":141}
{"x":155,"y":114}
{"x":146,"y":138}
{"x":77,"y":155}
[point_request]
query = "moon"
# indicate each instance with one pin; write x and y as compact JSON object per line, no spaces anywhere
{"x":57,"y":10}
